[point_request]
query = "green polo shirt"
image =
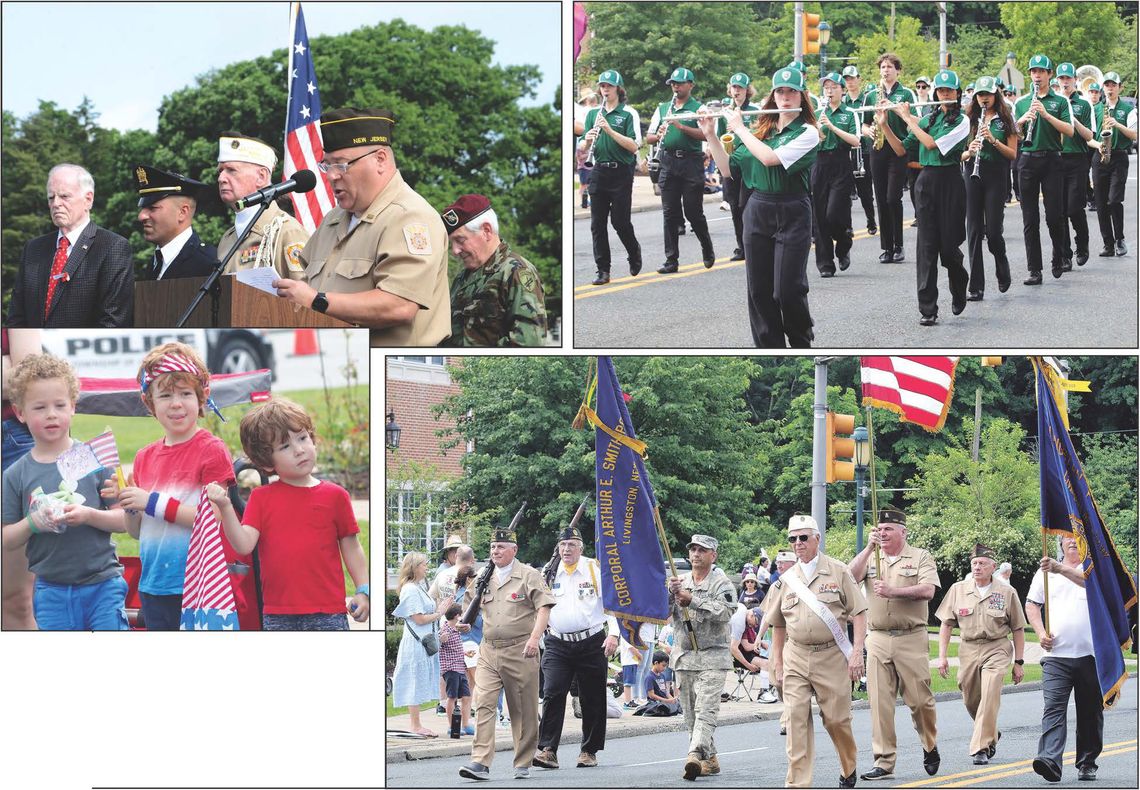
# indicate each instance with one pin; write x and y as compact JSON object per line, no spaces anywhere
{"x":843,"y":119}
{"x":625,"y":121}
{"x":1083,"y":112}
{"x":951,"y":138}
{"x":676,"y":140}
{"x":1045,"y":137}
{"x":1001,"y":134}
{"x":722,"y":124}
{"x":796,"y":146}
{"x":1122,"y":114}
{"x":899,"y":93}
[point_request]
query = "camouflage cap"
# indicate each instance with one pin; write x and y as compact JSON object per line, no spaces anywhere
{"x":704,"y":541}
{"x":982,"y":550}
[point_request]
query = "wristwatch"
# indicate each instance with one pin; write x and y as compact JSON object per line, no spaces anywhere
{"x":1019,"y":661}
{"x":320,"y":302}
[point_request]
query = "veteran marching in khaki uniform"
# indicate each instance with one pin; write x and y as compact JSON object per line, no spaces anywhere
{"x":708,"y":598}
{"x":516,"y":609}
{"x":380,"y":258}
{"x":987,"y":611}
{"x":897,"y":644}
{"x":811,"y":605}
{"x":245,"y":165}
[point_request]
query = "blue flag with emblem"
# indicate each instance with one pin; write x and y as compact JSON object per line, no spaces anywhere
{"x":628,"y":550}
{"x":1068,"y":509}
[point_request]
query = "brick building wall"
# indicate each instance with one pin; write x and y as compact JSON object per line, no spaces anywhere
{"x":413,"y":388}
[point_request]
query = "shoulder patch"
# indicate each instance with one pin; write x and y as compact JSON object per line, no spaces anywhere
{"x":293,"y":257}
{"x":527,"y":279}
{"x":417,"y":238}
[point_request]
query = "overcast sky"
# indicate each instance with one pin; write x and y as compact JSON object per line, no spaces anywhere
{"x":127,"y":56}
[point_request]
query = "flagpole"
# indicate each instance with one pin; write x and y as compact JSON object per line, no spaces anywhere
{"x":874,"y":494}
{"x":673,"y":569}
{"x":1044,"y":535}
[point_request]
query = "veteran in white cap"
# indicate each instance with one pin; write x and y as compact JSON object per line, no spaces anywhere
{"x":245,"y":165}
{"x":809,"y":608}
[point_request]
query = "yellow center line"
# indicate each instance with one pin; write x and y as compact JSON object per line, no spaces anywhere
{"x":1012,"y":769}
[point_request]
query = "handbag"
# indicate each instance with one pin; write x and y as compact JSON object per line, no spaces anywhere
{"x":430,"y":642}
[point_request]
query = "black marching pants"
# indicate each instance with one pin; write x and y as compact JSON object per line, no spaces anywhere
{"x":831,"y":183}
{"x":985,"y":217}
{"x":888,"y":172}
{"x":737,"y":194}
{"x":864,"y":186}
{"x":777,"y":238}
{"x":1074,"y":182}
{"x":611,"y":193}
{"x":940,"y":197}
{"x":563,"y":662}
{"x":682,"y":181}
{"x":1040,"y":173}
{"x":1108,"y":187}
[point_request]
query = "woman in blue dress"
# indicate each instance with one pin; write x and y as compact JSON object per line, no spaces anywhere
{"x":416,"y":679}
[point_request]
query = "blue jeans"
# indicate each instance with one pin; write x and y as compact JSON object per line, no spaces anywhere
{"x":81,"y":607}
{"x":17,"y":441}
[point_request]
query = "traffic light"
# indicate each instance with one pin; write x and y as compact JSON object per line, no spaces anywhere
{"x":840,"y":445}
{"x":991,"y":362}
{"x":811,"y":34}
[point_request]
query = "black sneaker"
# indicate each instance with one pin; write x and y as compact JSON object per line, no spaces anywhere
{"x":1046,"y":770}
{"x":668,"y":268}
{"x":847,"y":781}
{"x":928,"y":320}
{"x":475,"y":771}
{"x":1033,"y":279}
{"x":603,"y":278}
{"x":899,"y":256}
{"x":1087,"y":774}
{"x":931,"y":760}
{"x":1082,"y":257}
{"x":1121,"y":250}
{"x":974,"y":296}
{"x":990,"y":752}
{"x":440,"y":710}
{"x":877,"y":773}
{"x":737,"y":255}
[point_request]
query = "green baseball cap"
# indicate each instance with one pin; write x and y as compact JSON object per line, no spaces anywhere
{"x":1112,"y":76}
{"x":798,"y":65}
{"x":850,"y":71}
{"x":1094,"y":86}
{"x":1054,"y":83}
{"x":611,"y":77}
{"x":741,"y":79}
{"x":970,"y":87}
{"x":1040,"y":62}
{"x":922,"y":79}
{"x":1066,"y":70}
{"x":680,"y":74}
{"x":986,"y":85}
{"x":788,"y":78}
{"x":833,"y":76}
{"x":946,"y":79}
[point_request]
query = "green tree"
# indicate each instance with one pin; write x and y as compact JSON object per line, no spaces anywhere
{"x":1110,"y":467}
{"x":919,"y":54}
{"x":1076,"y":32}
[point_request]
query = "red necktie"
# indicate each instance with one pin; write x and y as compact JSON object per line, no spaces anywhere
{"x":56,"y":270}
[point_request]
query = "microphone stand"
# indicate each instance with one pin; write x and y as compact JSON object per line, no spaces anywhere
{"x":211,"y":284}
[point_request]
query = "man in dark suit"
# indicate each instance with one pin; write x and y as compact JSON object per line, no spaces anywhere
{"x":79,"y":276}
{"x":167,"y":202}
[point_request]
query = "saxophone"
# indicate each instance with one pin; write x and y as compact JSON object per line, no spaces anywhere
{"x":1105,"y":141}
{"x":880,"y":136}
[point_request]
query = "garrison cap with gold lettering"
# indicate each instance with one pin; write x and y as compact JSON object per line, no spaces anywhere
{"x":982,"y":550}
{"x":237,"y":147}
{"x":465,"y":209}
{"x":350,"y":127}
{"x":153,"y":185}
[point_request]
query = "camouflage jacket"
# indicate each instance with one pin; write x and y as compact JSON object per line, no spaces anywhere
{"x":499,"y":304}
{"x":714,"y":602}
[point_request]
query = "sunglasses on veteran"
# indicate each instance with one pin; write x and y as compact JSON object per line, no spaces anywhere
{"x":800,"y":538}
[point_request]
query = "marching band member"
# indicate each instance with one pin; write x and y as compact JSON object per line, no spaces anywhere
{"x":1093,"y":96}
{"x":939,"y":194}
{"x":682,"y":176}
{"x":1075,"y":169}
{"x":989,"y":155}
{"x":852,"y":98}
{"x":832,"y":182}
{"x":740,"y":91}
{"x":888,"y":167}
{"x":775,"y":161}
{"x":1039,"y":164}
{"x":1109,"y":179}
{"x":614,"y":131}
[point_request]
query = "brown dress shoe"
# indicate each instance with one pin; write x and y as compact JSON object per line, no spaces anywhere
{"x":587,"y":760}
{"x":545,"y":758}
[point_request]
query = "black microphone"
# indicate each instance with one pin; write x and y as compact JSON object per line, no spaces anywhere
{"x":302,"y":181}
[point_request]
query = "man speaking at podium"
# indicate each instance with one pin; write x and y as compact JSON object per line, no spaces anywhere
{"x":380,"y":258}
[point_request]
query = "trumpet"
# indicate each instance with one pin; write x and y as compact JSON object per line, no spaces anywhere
{"x":589,"y":162}
{"x":981,"y":135}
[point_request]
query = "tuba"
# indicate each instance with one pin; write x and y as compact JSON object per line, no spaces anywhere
{"x":1086,"y":76}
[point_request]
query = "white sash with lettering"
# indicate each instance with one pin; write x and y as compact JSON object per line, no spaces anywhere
{"x":821,"y":611}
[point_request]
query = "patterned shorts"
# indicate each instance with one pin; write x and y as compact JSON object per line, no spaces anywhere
{"x":304,"y":622}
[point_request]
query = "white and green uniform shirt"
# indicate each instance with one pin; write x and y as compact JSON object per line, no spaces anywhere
{"x":899,"y":93}
{"x":1123,"y":115}
{"x":842,"y":118}
{"x":950,"y":137}
{"x":997,"y":128}
{"x":676,"y":140}
{"x":1045,"y":137}
{"x":1083,"y":112}
{"x":797,"y":147}
{"x":625,"y":121}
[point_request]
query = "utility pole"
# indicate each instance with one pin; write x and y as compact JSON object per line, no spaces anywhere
{"x":892,"y":24}
{"x":798,"y":47}
{"x":977,"y":422}
{"x":943,"y":62}
{"x":819,"y":450}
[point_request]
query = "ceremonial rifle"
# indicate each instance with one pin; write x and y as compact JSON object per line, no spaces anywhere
{"x":551,"y":569}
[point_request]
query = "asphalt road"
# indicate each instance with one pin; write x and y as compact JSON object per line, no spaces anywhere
{"x":752,"y":755}
{"x":870,"y":305}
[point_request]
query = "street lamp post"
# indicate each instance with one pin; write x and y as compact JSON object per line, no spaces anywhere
{"x":824,"y":37}
{"x":392,"y":431}
{"x":862,"y":461}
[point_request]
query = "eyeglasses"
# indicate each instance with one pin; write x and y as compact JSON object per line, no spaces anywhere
{"x":342,"y":167}
{"x":800,"y":538}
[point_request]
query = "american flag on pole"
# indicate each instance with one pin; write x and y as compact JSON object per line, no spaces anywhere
{"x":918,"y":389}
{"x":105,"y":449}
{"x":207,"y":598}
{"x":303,"y":147}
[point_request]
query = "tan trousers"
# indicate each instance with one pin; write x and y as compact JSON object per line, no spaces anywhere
{"x":981,"y":672}
{"x":824,"y":672}
{"x":894,"y":664}
{"x":503,"y":667}
{"x":700,"y":691}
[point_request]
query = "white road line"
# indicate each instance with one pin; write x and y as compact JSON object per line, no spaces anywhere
{"x":686,"y":757}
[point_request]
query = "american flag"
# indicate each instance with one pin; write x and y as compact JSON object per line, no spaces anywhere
{"x":918,"y":389}
{"x":105,"y":449}
{"x":207,"y":598}
{"x":303,"y":147}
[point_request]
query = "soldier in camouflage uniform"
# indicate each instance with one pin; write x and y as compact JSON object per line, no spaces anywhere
{"x":497,"y":297}
{"x":710,"y":600}
{"x":245,"y":165}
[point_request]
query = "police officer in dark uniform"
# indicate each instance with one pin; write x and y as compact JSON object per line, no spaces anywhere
{"x":167,"y":202}
{"x":682,"y":177}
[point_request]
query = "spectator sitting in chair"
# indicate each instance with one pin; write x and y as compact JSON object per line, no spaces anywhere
{"x":745,"y":646}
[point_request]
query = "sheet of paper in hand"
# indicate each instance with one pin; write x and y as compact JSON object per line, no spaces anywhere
{"x":78,"y":462}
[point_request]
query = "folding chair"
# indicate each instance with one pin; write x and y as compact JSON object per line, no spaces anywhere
{"x":745,"y":680}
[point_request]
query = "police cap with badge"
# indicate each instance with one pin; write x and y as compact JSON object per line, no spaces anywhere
{"x":350,"y":127}
{"x":464,"y":210}
{"x":153,"y":185}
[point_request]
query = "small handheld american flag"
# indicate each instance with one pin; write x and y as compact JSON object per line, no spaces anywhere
{"x":207,"y":598}
{"x":105,"y":449}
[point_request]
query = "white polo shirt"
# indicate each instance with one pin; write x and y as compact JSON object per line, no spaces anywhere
{"x":1068,"y":615}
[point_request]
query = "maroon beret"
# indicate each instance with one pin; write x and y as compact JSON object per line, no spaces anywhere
{"x":463,"y":210}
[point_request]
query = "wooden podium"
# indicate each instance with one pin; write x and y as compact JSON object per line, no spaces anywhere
{"x":160,"y":303}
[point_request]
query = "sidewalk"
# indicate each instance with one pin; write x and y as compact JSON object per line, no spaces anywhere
{"x":643,"y":199}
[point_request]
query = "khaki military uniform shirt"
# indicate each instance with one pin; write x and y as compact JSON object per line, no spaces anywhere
{"x":913,"y":566}
{"x":982,"y":619}
{"x":399,"y":246}
{"x":285,"y":256}
{"x":509,"y":610}
{"x":714,"y":601}
{"x":499,"y":304}
{"x":833,"y":585}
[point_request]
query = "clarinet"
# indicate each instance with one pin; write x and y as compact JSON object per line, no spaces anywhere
{"x":550,"y":570}
{"x":981,"y":135}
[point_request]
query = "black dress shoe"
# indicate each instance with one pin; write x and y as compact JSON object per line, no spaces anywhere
{"x":826,"y":274}
{"x":1033,"y":279}
{"x":844,"y":262}
{"x":915,"y":223}
{"x":710,"y":259}
{"x":635,"y":267}
{"x":931,"y":760}
{"x":847,"y":781}
{"x":1087,"y":775}
{"x":899,"y":256}
{"x":668,"y":268}
{"x":1121,"y":250}
{"x":1046,"y":770}
{"x":603,"y":278}
{"x":928,"y":320}
{"x":737,"y":255}
{"x":1082,"y":258}
{"x":980,"y":758}
{"x":1003,"y":286}
{"x":958,"y":306}
{"x":886,"y":257}
{"x":974,"y":296}
{"x":1107,"y":252}
{"x":990,"y":752}
{"x":872,"y":228}
{"x":1066,"y":264}
{"x":1057,"y":271}
{"x":877,"y":773}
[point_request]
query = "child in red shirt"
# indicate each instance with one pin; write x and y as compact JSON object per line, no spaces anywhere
{"x":302,"y":526}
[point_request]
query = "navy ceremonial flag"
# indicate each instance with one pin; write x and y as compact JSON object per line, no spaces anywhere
{"x":633,"y":568}
{"x":1068,"y":509}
